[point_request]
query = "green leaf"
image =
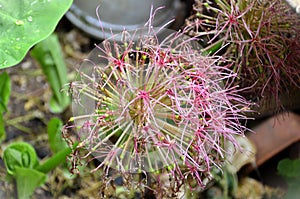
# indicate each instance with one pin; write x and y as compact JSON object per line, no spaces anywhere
{"x":289,"y":168}
{"x":293,"y":190}
{"x":2,"y":129}
{"x":56,"y":140}
{"x":19,"y":154}
{"x":27,"y":181}
{"x":24,"y":23}
{"x":49,"y":55}
{"x":213,"y":48}
{"x":5,"y":87}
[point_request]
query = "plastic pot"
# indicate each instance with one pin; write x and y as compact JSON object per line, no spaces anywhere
{"x":117,"y":15}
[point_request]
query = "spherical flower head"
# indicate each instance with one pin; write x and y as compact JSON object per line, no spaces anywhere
{"x":148,"y":100}
{"x":261,"y":36}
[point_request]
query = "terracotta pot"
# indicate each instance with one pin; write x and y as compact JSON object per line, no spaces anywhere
{"x":274,"y":135}
{"x":117,"y":15}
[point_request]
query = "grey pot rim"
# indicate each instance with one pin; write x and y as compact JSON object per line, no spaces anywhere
{"x":103,"y":30}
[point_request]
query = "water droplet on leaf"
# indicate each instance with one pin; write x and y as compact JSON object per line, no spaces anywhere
{"x":3,"y":63}
{"x":19,"y":22}
{"x":29,"y":18}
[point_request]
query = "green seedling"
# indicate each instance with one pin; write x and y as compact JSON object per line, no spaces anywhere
{"x":2,"y":129}
{"x":5,"y":87}
{"x":56,"y":142}
{"x":21,"y":160}
{"x":22,"y":163}
{"x":49,"y":55}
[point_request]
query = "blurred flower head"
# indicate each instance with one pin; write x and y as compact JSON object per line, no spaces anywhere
{"x":260,"y":36}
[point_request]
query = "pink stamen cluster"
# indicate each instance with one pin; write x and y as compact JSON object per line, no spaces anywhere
{"x":157,"y":106}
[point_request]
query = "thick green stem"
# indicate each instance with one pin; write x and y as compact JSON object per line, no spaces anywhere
{"x":54,"y":161}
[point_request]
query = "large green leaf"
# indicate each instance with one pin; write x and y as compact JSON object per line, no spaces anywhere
{"x":23,"y":23}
